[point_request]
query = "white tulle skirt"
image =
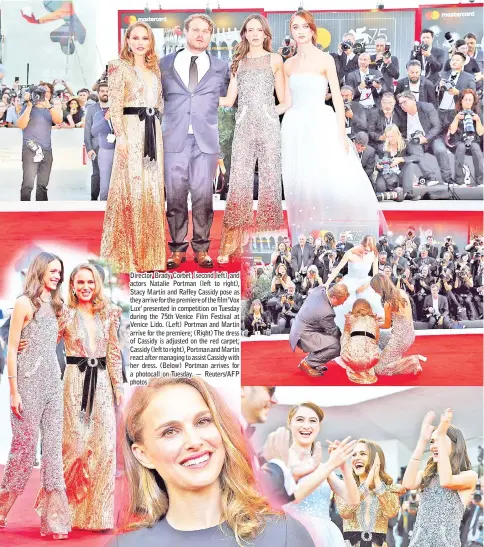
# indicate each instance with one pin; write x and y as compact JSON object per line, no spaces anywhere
{"x":325,"y":188}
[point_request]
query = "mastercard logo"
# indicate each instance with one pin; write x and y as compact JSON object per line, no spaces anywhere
{"x":432,"y":15}
{"x":130,"y":19}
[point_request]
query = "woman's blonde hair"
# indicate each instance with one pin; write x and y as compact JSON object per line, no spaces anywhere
{"x":243,"y":509}
{"x":255,"y":303}
{"x":400,"y":140}
{"x":126,"y":54}
{"x":243,"y":47}
{"x":34,"y":282}
{"x":100,"y":303}
{"x":308,"y":404}
{"x":373,"y":450}
{"x":389,"y":293}
{"x":371,"y":242}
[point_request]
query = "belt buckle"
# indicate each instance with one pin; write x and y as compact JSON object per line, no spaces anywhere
{"x":366,"y":536}
{"x":150,"y":111}
{"x":92,"y":362}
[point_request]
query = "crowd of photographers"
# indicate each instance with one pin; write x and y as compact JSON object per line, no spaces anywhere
{"x":39,"y":109}
{"x":445,"y":283}
{"x":404,"y":122}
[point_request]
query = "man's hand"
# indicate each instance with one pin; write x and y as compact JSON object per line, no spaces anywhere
{"x":277,"y":445}
{"x":387,"y":60}
{"x":426,"y":53}
{"x":107,"y":116}
{"x":91,"y":154}
{"x":376,"y":85}
{"x":349,"y":114}
{"x":454,"y":91}
{"x":423,"y":140}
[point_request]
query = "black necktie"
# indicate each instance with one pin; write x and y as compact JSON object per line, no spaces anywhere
{"x":193,"y":74}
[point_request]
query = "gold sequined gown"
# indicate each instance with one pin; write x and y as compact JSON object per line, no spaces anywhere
{"x":360,"y":353}
{"x":40,"y":387}
{"x":257,"y":137}
{"x":133,"y":236}
{"x":394,"y":344}
{"x":89,"y":441}
{"x":366,"y":523}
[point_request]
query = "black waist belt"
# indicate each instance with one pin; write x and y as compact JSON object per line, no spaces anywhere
{"x":366,"y":539}
{"x":90,"y":366}
{"x":363,"y":333}
{"x":148,"y":115}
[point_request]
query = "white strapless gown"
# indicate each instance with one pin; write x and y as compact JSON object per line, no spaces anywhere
{"x":356,"y":277}
{"x":313,"y":513}
{"x":325,"y":188}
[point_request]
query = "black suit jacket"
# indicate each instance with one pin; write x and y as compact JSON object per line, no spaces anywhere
{"x":464,"y":81}
{"x":271,"y":478}
{"x":301,"y":257}
{"x":389,"y":72}
{"x":346,"y":65}
{"x":368,"y":160}
{"x":434,"y":63}
{"x":377,"y":124}
{"x":433,"y":251}
{"x":443,"y":304}
{"x":359,"y":120}
{"x":353,"y":79}
{"x":426,"y":92}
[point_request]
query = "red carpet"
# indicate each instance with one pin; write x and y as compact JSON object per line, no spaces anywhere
{"x":23,"y":526}
{"x":454,"y":360}
{"x":80,"y":230}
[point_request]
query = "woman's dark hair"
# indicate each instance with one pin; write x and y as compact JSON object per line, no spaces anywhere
{"x":475,"y":104}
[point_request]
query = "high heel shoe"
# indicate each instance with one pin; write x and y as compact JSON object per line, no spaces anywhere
{"x":422,"y":358}
{"x":59,"y":536}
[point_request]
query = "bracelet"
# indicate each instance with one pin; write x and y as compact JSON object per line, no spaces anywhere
{"x":12,"y":376}
{"x":417,"y":459}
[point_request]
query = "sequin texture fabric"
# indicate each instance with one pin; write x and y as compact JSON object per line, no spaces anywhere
{"x":257,"y":137}
{"x":89,"y":440}
{"x":133,"y":236}
{"x":394,"y":344}
{"x":360,"y":353}
{"x":439,"y":517}
{"x":40,"y":387}
{"x":372,"y":513}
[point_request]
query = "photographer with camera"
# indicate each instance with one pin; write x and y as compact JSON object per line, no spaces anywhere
{"x":436,"y":309}
{"x":449,"y":246}
{"x":288,"y":48}
{"x":432,"y":249}
{"x":431,"y":58}
{"x":326,"y":262}
{"x":473,"y":519}
{"x":382,"y":118}
{"x":366,"y":153}
{"x":422,"y":88}
{"x":398,"y":262}
{"x":423,"y":280}
{"x":35,"y":120}
{"x":367,"y":82}
{"x":397,"y":168}
{"x":475,"y":245}
{"x":477,"y":269}
{"x":405,"y":282}
{"x":279,"y":284}
{"x":464,"y":283}
{"x":355,"y":114}
{"x":282,"y":256}
{"x":425,"y":260}
{"x":13,"y":111}
{"x":311,"y":281}
{"x":382,"y":261}
{"x":467,"y":128}
{"x":385,"y":62}
{"x":257,"y":321}
{"x":383,"y":245}
{"x":302,"y":256}
{"x":347,"y":55}
{"x":423,"y":129}
{"x":452,"y":82}
{"x":289,"y":304}
{"x":473,"y":52}
{"x":470,"y":65}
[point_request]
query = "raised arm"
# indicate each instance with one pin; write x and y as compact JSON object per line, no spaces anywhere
{"x":387,"y":320}
{"x":412,"y":479}
{"x":229,"y":100}
{"x":340,"y":266}
{"x":345,"y":488}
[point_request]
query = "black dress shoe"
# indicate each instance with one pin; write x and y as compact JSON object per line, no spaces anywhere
{"x":412,"y":197}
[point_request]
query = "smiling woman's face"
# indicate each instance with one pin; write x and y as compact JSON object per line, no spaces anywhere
{"x":360,"y":459}
{"x":181,"y":442}
{"x":305,"y":426}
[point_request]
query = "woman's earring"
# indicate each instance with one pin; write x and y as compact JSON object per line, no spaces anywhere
{"x":73,"y":292}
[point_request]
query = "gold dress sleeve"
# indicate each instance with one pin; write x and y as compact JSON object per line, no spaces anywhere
{"x":113,"y":353}
{"x":62,"y":320}
{"x":116,"y":83}
{"x":346,"y":510}
{"x":389,"y":499}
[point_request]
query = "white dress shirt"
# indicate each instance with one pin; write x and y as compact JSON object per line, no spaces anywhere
{"x":435,"y":303}
{"x":182,"y":66}
{"x":448,"y":100}
{"x":415,"y":89}
{"x":413,"y":124}
{"x":366,"y":97}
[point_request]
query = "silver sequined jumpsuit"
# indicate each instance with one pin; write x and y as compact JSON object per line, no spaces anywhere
{"x":257,"y":137}
{"x":40,"y":387}
{"x":439,"y":517}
